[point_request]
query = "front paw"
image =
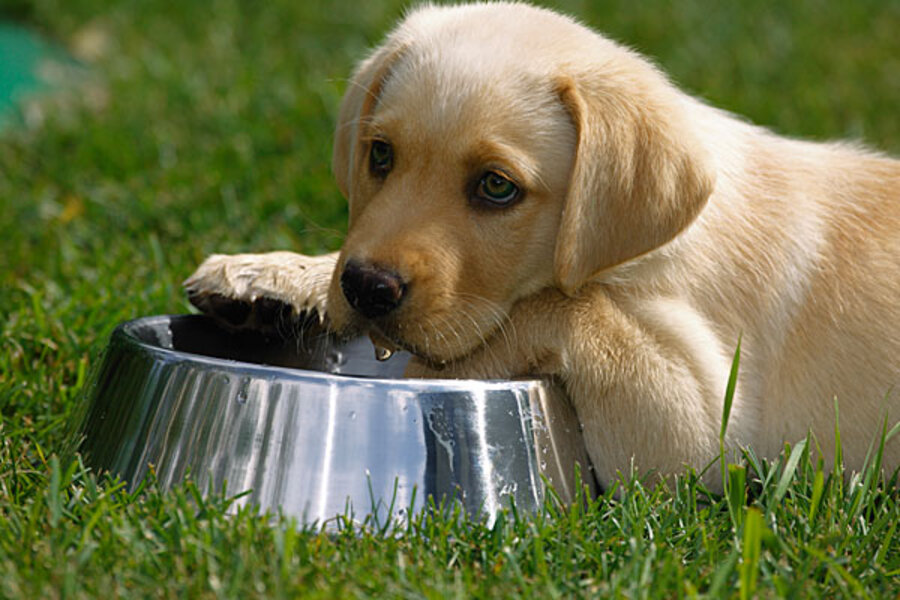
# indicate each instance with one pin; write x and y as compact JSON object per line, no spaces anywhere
{"x":275,"y":291}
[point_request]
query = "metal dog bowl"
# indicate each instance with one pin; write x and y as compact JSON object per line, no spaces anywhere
{"x":319,"y":428}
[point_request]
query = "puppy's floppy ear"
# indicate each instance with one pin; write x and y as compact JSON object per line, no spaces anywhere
{"x":358,"y":102}
{"x":639,"y":175}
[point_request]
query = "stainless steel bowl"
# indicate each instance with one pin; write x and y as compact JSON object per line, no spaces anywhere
{"x":319,"y":428}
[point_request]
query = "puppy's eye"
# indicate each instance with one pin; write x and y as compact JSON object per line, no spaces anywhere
{"x":496,"y":189}
{"x":381,"y":158}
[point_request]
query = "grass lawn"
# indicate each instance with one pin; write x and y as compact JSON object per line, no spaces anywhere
{"x":206,"y":126}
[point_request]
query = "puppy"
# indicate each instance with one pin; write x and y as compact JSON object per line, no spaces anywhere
{"x":527,"y":197}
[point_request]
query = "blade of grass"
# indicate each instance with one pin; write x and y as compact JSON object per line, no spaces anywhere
{"x":752,"y":546}
{"x":789,"y":469}
{"x":838,"y":453}
{"x":730,"y":473}
{"x":816,"y":499}
{"x":736,"y":494}
{"x":729,"y":391}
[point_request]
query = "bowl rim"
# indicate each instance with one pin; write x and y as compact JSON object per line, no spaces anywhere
{"x":124,"y":332}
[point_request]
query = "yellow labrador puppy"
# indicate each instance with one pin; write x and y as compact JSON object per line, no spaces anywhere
{"x":528,"y":197}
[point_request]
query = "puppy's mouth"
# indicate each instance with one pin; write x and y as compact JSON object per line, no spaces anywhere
{"x":386,"y":343}
{"x":398,"y":314}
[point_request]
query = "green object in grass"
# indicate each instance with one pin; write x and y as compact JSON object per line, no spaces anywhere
{"x":23,"y":55}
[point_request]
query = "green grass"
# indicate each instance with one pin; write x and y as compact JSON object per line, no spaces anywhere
{"x":206,"y":126}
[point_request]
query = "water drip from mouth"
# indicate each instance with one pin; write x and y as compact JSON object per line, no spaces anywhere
{"x":384,"y":348}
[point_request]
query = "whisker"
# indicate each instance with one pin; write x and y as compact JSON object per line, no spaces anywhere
{"x":499,"y":319}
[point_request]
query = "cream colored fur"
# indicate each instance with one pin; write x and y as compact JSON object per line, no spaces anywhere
{"x":654,"y":231}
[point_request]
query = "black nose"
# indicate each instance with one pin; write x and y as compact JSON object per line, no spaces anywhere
{"x":371,"y":290}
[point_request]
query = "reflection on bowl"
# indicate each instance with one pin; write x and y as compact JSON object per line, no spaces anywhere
{"x":317,"y":427}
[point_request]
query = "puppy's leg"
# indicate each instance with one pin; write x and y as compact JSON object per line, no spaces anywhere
{"x":643,"y":401}
{"x":261,"y":291}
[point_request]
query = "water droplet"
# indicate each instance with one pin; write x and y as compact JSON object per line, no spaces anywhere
{"x":243,"y":392}
{"x":334,"y":360}
{"x":382,"y":353}
{"x":384,"y":348}
{"x":352,"y":415}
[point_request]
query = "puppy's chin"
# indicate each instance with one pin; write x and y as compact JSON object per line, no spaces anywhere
{"x":434,"y":339}
{"x":433,"y":345}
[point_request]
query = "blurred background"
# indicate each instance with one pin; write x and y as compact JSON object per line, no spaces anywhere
{"x":154,"y":132}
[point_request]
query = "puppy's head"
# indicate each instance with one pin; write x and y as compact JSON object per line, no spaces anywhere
{"x":489,"y":151}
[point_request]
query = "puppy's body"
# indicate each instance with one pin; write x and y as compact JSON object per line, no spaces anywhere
{"x":649,"y":232}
